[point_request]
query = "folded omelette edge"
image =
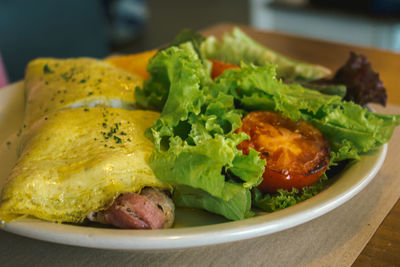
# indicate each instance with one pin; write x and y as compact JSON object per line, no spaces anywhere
{"x":76,"y":161}
{"x":53,"y":84}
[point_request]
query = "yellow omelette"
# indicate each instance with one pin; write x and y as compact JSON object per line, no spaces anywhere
{"x":53,"y":84}
{"x":75,"y":161}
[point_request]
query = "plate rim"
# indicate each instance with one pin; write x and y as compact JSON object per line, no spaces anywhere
{"x":197,"y":236}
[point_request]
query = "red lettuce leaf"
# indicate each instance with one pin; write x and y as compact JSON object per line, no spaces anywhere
{"x":362,"y":82}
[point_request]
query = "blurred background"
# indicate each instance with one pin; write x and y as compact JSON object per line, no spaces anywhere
{"x":97,"y":28}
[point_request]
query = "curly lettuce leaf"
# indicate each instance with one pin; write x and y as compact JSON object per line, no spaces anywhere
{"x":284,"y":198}
{"x":247,"y":167}
{"x":195,"y":140}
{"x":181,"y":61}
{"x":326,"y":88}
{"x":188,"y":35}
{"x":350,"y":128}
{"x":199,"y":166}
{"x":194,"y":137}
{"x":237,"y":47}
{"x":236,"y":207}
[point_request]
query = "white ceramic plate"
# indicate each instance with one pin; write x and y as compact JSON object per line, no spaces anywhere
{"x":193,"y":228}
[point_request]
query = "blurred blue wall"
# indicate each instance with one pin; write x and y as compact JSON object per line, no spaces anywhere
{"x":46,"y":28}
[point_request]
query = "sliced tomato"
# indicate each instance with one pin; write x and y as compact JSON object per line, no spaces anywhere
{"x":218,"y":67}
{"x":297,"y":153}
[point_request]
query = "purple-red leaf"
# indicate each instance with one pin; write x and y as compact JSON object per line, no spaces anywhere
{"x":362,"y":82}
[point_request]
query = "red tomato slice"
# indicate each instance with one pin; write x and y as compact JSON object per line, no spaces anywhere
{"x":218,"y":67}
{"x":297,"y":153}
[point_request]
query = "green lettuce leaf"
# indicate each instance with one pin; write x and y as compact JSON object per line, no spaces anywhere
{"x":236,"y":207}
{"x":195,"y":140}
{"x":237,"y":47}
{"x":187,"y":35}
{"x":350,"y":128}
{"x":180,"y":62}
{"x":248,"y":168}
{"x":195,"y":143}
{"x":284,"y":198}
{"x":324,"y":88}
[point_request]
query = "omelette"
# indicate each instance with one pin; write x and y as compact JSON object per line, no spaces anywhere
{"x":54,"y":84}
{"x":74,"y":162}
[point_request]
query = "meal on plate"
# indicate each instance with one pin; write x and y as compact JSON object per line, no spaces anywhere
{"x":230,"y":127}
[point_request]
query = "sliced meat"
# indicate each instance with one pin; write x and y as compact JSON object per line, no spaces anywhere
{"x":152,"y":209}
{"x":163,"y":202}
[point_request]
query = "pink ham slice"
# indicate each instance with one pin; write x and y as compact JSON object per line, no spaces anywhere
{"x":152,"y":209}
{"x":134,"y":211}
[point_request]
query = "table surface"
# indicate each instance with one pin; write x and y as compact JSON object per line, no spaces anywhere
{"x":384,"y":246}
{"x":381,"y":250}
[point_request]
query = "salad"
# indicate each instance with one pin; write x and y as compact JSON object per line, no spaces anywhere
{"x":199,"y":149}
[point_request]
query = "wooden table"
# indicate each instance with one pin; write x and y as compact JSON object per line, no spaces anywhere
{"x":384,"y":246}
